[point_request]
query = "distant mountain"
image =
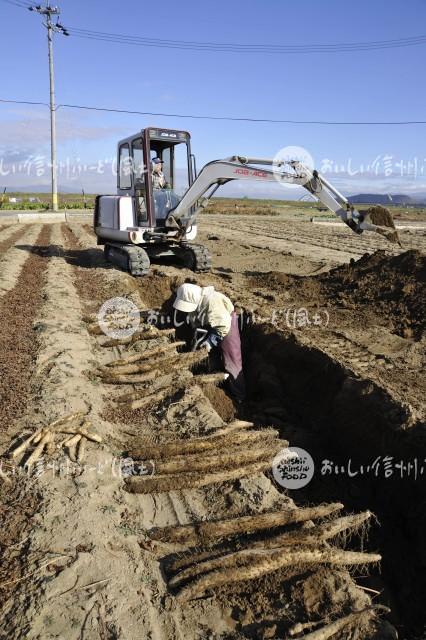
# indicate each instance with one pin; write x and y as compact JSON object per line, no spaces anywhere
{"x":383,"y":198}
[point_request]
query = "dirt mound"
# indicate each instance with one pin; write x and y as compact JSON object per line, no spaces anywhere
{"x":389,"y":288}
{"x":394,"y":286}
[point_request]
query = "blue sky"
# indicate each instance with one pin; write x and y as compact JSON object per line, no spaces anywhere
{"x":374,"y":85}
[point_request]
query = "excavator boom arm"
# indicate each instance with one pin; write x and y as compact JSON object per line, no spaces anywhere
{"x":219,"y":172}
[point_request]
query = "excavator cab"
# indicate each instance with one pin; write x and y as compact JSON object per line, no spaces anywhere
{"x":135,"y":173}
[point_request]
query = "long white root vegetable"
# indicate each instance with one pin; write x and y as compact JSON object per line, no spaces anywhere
{"x":47,"y":437}
{"x":194,"y":445}
{"x":161,"y":484}
{"x":254,"y":564}
{"x":194,"y":534}
{"x":147,"y":353}
{"x":332,"y":628}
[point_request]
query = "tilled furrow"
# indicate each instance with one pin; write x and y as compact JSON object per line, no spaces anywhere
{"x":18,"y":308}
{"x":16,"y":255}
{"x":9,"y":236}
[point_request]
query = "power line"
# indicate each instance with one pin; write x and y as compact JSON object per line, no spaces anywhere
{"x":18,"y":3}
{"x":223,"y":118}
{"x":31,"y":102}
{"x":224,"y":47}
{"x":247,"y":48}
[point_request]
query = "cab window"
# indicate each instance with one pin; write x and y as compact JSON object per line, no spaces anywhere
{"x":125,"y":167}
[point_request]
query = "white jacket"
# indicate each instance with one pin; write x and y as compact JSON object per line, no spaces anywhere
{"x":214,"y":310}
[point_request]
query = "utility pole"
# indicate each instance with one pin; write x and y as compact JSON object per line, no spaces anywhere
{"x":48,"y":11}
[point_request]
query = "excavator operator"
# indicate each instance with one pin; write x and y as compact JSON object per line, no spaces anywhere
{"x":212,"y":311}
{"x":158,"y":178}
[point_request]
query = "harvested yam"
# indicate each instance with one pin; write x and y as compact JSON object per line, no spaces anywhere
{"x":161,"y":484}
{"x":315,"y":535}
{"x":182,"y":447}
{"x":157,"y":384}
{"x":82,"y":431}
{"x":90,"y":436}
{"x":195,"y":534}
{"x":171,"y":361}
{"x":332,"y":628}
{"x":145,"y":334}
{"x":46,"y":438}
{"x":148,"y":353}
{"x":71,"y":445}
{"x":112,"y":372}
{"x":81,"y":449}
{"x":72,"y":417}
{"x":209,"y":378}
{"x":249,"y":565}
{"x":298,"y":538}
{"x":190,"y":359}
{"x":89,"y":318}
{"x":166,"y":386}
{"x":235,"y":425}
{"x":218,"y":460}
{"x":38,"y":436}
{"x":154,"y":398}
{"x":123,"y":379}
{"x":71,"y":442}
{"x":143,"y":392}
{"x":16,"y":452}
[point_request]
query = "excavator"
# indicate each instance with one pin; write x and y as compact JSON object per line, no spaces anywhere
{"x":143,"y":222}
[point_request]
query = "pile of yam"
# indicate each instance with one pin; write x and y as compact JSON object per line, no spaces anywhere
{"x":77,"y":429}
{"x":159,"y":373}
{"x":248,"y":547}
{"x":232,"y":452}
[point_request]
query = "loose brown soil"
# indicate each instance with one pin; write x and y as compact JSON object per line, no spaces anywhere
{"x":18,"y":506}
{"x":390,"y":289}
{"x":18,"y":346}
{"x":11,"y":240}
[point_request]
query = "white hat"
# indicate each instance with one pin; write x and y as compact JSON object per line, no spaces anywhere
{"x":188,"y":297}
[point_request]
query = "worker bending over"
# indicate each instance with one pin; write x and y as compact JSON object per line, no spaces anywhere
{"x":211,"y":310}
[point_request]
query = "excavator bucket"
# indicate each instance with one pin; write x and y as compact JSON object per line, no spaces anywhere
{"x":382,"y":218}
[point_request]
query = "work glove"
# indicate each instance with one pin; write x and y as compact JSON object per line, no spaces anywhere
{"x":206,"y":345}
{"x":212,"y":339}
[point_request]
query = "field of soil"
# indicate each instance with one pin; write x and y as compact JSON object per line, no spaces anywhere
{"x":152,"y":511}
